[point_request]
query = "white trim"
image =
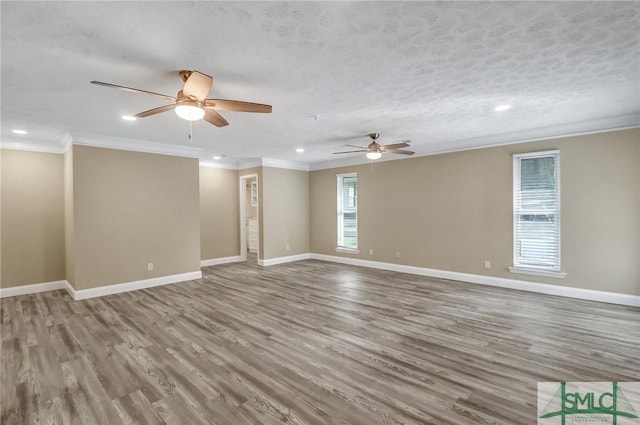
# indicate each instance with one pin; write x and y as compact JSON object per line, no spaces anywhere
{"x":249,"y":163}
{"x":340,"y":211}
{"x":218,"y":164}
{"x":627,"y":122}
{"x":242,"y":183}
{"x":33,"y":288}
{"x":517,"y":168}
{"x":66,"y":141}
{"x":537,"y":272}
{"x":290,"y":165}
{"x":138,"y":146}
{"x":83,"y":294}
{"x":70,"y":289}
{"x":605,"y":125}
{"x":288,"y":259}
{"x":221,"y":260}
{"x":347,"y":250}
{"x":521,"y":285}
{"x":272,"y":162}
{"x":32,"y":145}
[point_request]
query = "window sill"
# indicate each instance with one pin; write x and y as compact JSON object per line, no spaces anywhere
{"x":537,"y":272}
{"x":347,"y":250}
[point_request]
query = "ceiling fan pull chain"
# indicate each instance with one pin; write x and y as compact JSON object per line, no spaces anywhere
{"x":191,"y":131}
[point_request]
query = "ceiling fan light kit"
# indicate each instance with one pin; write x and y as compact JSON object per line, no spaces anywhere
{"x":375,"y":150}
{"x":190,"y":103}
{"x":189,"y":112}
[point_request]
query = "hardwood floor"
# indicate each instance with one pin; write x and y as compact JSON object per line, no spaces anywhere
{"x":304,"y":343}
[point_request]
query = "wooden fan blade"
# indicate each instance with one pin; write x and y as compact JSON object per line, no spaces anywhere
{"x":401,"y":152}
{"x":129,"y":89}
{"x":237,"y":105}
{"x":156,"y":111}
{"x":363,"y":150}
{"x":197,"y":85}
{"x":394,"y":146}
{"x":359,"y":147}
{"x":214,"y":118}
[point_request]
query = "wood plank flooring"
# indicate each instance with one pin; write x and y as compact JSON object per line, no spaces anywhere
{"x":304,"y":343}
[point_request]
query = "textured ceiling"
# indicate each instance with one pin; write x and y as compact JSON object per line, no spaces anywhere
{"x":333,"y":71}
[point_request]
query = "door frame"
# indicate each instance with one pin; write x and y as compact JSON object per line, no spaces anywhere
{"x":243,"y":214}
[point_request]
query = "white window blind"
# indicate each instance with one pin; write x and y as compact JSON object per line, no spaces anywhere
{"x":348,"y":211}
{"x":536,"y":211}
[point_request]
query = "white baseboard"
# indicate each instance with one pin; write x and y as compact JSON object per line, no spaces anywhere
{"x":33,"y":288}
{"x":70,"y":289}
{"x":83,"y":294}
{"x":221,"y":260}
{"x":280,"y":260}
{"x":522,"y":285}
{"x":543,"y":288}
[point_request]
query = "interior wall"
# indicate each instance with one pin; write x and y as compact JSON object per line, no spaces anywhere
{"x":219,"y":213}
{"x":32,"y":218}
{"x":454,"y":211}
{"x":286,"y":212}
{"x":69,"y":245}
{"x":130,"y":209}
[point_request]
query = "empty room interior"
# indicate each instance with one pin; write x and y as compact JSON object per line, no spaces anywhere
{"x":320,"y":213}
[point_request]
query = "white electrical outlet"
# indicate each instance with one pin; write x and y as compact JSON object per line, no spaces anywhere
{"x":149,"y":266}
{"x":487,"y":265}
{"x":371,"y":251}
{"x":397,"y":254}
{"x":287,"y":247}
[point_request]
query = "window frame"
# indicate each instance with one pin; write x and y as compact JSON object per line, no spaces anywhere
{"x":340,"y":210}
{"x":518,"y":265}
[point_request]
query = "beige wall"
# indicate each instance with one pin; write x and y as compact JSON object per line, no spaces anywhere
{"x":285,"y":211}
{"x":130,"y":209}
{"x":32,"y":211}
{"x":219,"y":213}
{"x":454,"y":211}
{"x":70,"y":264}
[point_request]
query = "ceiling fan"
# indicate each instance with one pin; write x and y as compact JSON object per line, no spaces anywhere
{"x":190,"y":103}
{"x":375,"y":150}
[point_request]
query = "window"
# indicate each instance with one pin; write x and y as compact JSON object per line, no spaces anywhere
{"x":536,"y":213}
{"x":348,"y":212}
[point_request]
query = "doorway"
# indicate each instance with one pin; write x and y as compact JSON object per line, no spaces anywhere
{"x":249,"y":219}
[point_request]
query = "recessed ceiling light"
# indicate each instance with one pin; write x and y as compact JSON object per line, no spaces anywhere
{"x":128,"y":118}
{"x":299,"y":150}
{"x":502,"y":108}
{"x":19,"y":132}
{"x":217,"y":157}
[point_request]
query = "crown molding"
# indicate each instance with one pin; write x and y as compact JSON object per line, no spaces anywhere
{"x":603,"y":125}
{"x":217,"y":164}
{"x":137,"y":145}
{"x":32,"y":145}
{"x":274,"y":163}
{"x":249,"y":163}
{"x":66,"y":141}
{"x":607,"y":124}
{"x":290,"y":165}
{"x":627,"y":122}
